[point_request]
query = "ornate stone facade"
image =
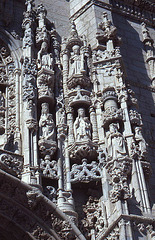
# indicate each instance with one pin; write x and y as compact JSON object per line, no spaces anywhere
{"x":76,"y":147}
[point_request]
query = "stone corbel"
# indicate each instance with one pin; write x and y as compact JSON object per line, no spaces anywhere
{"x":119,"y":169}
{"x":45,"y":84}
{"x":111,"y":112}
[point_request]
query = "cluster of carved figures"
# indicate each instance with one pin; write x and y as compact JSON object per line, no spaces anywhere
{"x":83,"y":119}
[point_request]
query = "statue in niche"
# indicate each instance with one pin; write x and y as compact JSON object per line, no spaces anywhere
{"x":45,"y":59}
{"x":115,"y":142}
{"x":62,"y":116}
{"x":142,"y":146}
{"x":76,"y":61}
{"x":46,"y":124}
{"x":31,"y":109}
{"x":82,"y":127}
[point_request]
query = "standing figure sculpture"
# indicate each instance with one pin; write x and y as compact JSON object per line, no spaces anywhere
{"x":82,"y":127}
{"x":142,"y":146}
{"x":46,"y":124}
{"x":76,"y":61}
{"x":45,"y":59}
{"x":115,"y":142}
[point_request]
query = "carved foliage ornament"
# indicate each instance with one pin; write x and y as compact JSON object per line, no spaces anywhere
{"x":29,"y":83}
{"x":93,"y":215}
{"x":86,"y":172}
{"x":114,"y":235}
{"x":11,"y":163}
{"x":48,"y":168}
{"x":45,"y":83}
{"x":119,"y":171}
{"x":111,"y":114}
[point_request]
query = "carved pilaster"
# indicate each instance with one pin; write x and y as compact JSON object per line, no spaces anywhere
{"x":70,"y":121}
{"x":94,"y":124}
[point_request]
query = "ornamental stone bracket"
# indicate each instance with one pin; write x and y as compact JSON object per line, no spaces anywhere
{"x":45,"y":84}
{"x":79,"y":96}
{"x":86,"y":172}
{"x":111,"y":111}
{"x":119,"y":169}
{"x":49,"y":168}
{"x":83,"y":149}
{"x":112,"y":114}
{"x":78,"y":80}
{"x":104,"y":56}
{"x":11,"y":163}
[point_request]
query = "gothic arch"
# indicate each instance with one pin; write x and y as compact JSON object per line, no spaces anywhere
{"x":27,"y":214}
{"x":13,"y":45}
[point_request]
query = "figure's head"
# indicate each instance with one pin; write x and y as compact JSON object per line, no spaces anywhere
{"x":113,"y":127}
{"x":44,"y":46}
{"x":76,"y":49}
{"x":45,"y":108}
{"x":81,"y":112}
{"x":138,"y":130}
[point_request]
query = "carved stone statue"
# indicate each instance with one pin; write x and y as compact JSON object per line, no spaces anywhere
{"x":82,"y":126}
{"x":115,"y":142}
{"x":45,"y":59}
{"x":142,"y":146}
{"x":46,"y":124}
{"x":75,"y":61}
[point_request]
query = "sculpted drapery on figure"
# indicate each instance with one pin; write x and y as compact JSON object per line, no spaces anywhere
{"x":45,"y":59}
{"x":82,"y":127}
{"x":46,"y":124}
{"x":115,"y":142}
{"x":142,"y":146}
{"x":76,"y":61}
